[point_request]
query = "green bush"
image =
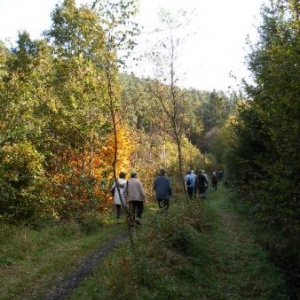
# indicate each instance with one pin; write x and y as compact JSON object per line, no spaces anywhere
{"x":21,"y":183}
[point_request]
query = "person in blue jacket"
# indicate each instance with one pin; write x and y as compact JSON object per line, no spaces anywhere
{"x":190,"y":183}
{"x":163,"y":189}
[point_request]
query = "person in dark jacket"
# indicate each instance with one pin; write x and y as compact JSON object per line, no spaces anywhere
{"x":214,"y":181}
{"x":163,"y":189}
{"x":201,"y":184}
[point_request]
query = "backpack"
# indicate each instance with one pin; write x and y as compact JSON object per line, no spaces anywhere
{"x":112,"y":191}
{"x":188,"y":181}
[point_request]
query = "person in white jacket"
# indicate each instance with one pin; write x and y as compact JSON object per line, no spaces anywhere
{"x":119,"y":202}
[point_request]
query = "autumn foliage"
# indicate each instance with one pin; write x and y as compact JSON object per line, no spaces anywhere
{"x":81,"y":180}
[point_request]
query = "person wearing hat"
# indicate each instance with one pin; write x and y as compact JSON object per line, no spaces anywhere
{"x":135,"y":197}
{"x":163,"y":189}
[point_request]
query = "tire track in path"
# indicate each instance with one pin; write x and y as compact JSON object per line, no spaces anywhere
{"x":95,"y":259}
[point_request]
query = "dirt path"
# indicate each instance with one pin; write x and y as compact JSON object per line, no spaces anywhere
{"x":68,"y":284}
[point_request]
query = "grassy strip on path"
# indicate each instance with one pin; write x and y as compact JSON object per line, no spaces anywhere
{"x":240,"y":266}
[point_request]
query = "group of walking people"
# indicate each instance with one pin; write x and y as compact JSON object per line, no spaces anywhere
{"x":131,"y":194}
{"x":197,"y":184}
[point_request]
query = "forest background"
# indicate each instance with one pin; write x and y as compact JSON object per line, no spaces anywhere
{"x":72,"y":119}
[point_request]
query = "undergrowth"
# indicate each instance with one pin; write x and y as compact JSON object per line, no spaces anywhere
{"x":198,"y":250}
{"x":195,"y":251}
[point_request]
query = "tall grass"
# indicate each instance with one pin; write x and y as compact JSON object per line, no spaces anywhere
{"x":163,"y":265}
{"x":196,"y":251}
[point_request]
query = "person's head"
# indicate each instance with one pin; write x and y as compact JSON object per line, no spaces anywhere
{"x":133,"y":174}
{"x":188,"y":172}
{"x":192,"y":172}
{"x":203,"y":171}
{"x":122,"y":175}
{"x":162,"y":171}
